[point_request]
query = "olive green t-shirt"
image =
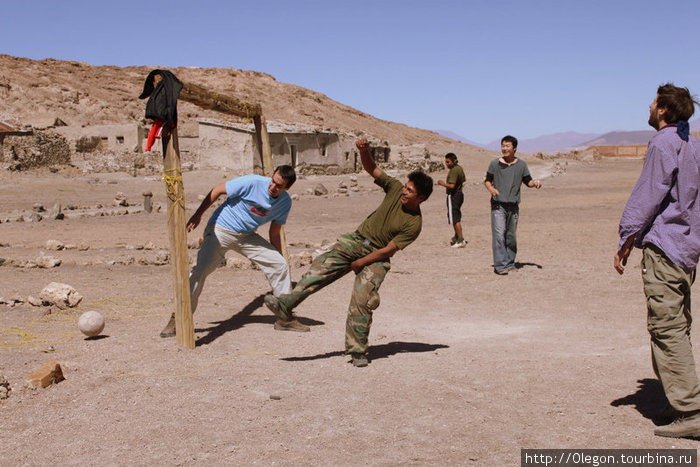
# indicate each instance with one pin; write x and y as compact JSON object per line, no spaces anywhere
{"x":391,"y":220}
{"x":456,"y":176}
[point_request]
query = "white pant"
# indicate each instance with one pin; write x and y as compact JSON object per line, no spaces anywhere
{"x":218,"y":240}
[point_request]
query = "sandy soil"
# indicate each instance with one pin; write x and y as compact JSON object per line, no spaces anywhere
{"x":466,"y":367}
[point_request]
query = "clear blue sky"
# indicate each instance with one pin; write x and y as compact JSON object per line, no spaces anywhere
{"x":478,"y":68}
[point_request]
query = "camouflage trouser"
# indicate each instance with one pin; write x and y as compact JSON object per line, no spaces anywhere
{"x":333,"y":265}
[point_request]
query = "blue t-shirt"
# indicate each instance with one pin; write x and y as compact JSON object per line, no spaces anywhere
{"x":249,"y":205}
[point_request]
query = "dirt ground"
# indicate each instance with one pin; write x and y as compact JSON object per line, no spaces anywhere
{"x":467,"y":367}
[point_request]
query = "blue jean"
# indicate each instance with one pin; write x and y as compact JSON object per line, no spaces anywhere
{"x":504,"y":223}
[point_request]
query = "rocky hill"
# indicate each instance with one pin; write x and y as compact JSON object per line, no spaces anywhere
{"x":34,"y":93}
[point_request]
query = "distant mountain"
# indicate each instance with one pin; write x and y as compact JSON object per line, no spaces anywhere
{"x":621,"y":138}
{"x":456,"y":137}
{"x":547,"y":143}
{"x":570,"y":139}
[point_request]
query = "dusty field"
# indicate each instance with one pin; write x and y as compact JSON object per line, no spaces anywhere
{"x":466,"y":367}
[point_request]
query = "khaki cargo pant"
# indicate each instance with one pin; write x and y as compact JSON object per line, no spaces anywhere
{"x":218,"y":240}
{"x":331,"y":266}
{"x":667,"y":290}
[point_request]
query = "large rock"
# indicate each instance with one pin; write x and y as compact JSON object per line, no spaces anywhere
{"x":47,"y":262}
{"x":62,"y":295}
{"x":55,"y":245}
{"x":47,"y":375}
{"x":320,"y":190}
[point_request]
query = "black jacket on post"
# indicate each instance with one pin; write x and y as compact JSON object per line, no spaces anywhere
{"x":162,"y":103}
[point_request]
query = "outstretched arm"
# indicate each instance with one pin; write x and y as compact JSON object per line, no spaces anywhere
{"x":367,"y":160}
{"x":208,"y":200}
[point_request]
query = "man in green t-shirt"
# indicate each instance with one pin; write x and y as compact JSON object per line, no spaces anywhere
{"x":455,"y":198}
{"x":394,"y":225}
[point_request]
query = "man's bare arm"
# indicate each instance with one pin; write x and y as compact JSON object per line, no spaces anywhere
{"x":367,"y":160}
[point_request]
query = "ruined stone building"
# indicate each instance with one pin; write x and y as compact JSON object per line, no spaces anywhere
{"x":233,"y":146}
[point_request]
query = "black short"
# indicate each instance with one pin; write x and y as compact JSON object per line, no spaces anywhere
{"x":454,"y":206}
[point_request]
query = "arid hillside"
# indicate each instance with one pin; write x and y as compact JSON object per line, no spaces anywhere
{"x":37,"y":92}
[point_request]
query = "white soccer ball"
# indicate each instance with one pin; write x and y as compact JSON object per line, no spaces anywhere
{"x":91,"y":323}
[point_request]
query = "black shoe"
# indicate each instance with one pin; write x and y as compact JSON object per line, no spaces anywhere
{"x":359,"y":360}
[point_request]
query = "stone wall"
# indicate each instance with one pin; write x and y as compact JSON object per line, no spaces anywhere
{"x":41,"y":149}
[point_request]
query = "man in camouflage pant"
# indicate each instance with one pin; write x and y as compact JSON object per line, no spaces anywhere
{"x":391,"y":227}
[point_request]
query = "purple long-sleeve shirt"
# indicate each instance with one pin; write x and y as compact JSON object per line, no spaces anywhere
{"x":664,"y":207}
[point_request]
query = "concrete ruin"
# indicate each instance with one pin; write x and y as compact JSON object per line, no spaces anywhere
{"x":233,"y":146}
{"x":128,"y":136}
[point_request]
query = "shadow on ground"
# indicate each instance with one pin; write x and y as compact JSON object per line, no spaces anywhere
{"x":377,"y":351}
{"x":242,"y":318}
{"x":649,"y":400}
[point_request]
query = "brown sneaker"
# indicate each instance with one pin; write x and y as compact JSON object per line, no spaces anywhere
{"x":293,"y":325}
{"x":169,"y":329}
{"x":687,"y":426}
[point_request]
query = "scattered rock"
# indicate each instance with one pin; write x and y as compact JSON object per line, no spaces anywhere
{"x":320,"y":190}
{"x":301,"y":259}
{"x":236,"y":262}
{"x":47,"y":262}
{"x":4,"y":387}
{"x":47,"y":375}
{"x":56,"y":212}
{"x":35,"y":217}
{"x":161,"y":258}
{"x":38,"y":208}
{"x":34,"y":301}
{"x":62,"y":295}
{"x":120,"y":199}
{"x":54,"y":245}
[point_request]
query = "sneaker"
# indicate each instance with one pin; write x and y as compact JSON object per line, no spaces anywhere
{"x":453,"y":240}
{"x":169,"y":329}
{"x":293,"y":325}
{"x":460,"y":243}
{"x":273,"y":304}
{"x":359,"y":360}
{"x":687,"y":426}
{"x":502,"y":272}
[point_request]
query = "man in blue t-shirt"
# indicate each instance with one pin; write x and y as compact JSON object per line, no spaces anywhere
{"x":252,"y":200}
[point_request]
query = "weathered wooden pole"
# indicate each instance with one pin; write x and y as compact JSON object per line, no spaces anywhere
{"x":263,"y":138}
{"x":174,"y":188}
{"x":206,"y":99}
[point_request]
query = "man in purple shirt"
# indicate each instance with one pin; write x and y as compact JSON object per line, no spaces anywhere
{"x":662,"y":217}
